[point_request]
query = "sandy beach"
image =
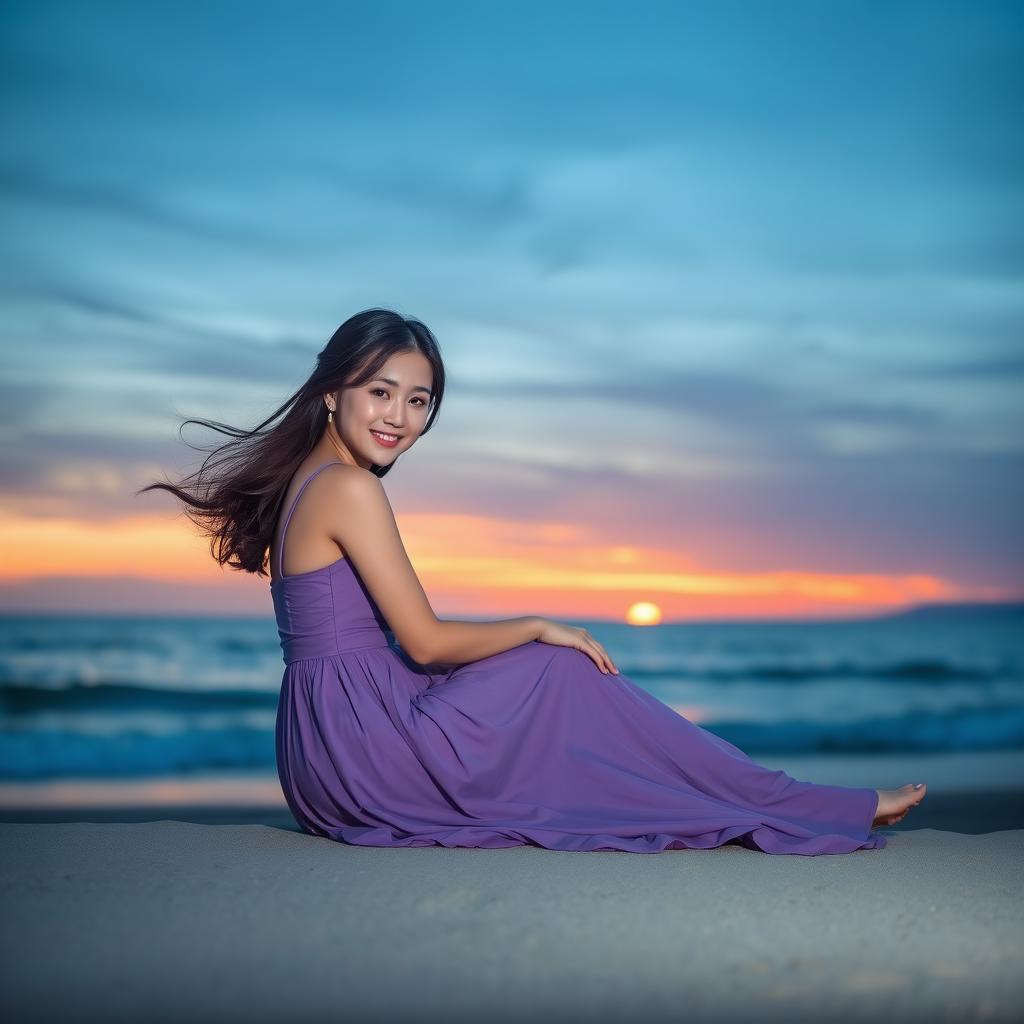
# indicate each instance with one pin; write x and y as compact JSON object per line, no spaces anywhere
{"x":170,"y":919}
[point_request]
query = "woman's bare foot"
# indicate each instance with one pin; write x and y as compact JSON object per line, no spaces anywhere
{"x":893,"y":804}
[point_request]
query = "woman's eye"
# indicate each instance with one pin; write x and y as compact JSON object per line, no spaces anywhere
{"x":374,"y":391}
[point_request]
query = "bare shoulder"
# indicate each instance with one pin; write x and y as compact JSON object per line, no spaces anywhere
{"x":354,"y":482}
{"x":352,"y":494}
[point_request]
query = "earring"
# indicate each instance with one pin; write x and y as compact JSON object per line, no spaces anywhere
{"x":330,"y":416}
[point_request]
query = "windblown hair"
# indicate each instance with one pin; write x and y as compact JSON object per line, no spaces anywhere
{"x":236,"y":495}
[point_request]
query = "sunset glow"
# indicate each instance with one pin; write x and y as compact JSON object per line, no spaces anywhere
{"x":467,"y":564}
{"x":643,"y":613}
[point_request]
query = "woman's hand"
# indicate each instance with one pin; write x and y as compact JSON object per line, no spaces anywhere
{"x":575,"y":636}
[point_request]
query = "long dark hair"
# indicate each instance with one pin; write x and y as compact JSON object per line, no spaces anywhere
{"x":236,"y":495}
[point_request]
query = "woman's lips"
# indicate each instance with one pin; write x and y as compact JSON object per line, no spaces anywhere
{"x":382,"y":441}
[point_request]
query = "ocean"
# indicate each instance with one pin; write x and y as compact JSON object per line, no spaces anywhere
{"x":172,"y":698}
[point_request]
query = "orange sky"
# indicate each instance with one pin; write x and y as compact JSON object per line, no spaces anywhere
{"x":469,"y":565}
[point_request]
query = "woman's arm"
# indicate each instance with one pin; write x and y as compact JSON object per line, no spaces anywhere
{"x":363,"y":524}
{"x":459,"y":640}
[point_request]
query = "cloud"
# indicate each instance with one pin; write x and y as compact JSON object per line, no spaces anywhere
{"x":732,"y":274}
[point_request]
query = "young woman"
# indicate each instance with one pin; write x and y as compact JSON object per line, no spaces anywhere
{"x":482,"y":734}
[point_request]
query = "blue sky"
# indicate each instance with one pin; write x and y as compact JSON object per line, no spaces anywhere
{"x":742,"y":281}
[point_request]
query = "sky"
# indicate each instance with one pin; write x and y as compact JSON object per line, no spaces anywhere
{"x":729,"y":294}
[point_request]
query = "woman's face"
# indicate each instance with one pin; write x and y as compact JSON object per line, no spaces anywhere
{"x":395,"y":403}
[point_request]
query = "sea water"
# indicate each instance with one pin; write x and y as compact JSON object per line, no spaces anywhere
{"x":128,"y":698}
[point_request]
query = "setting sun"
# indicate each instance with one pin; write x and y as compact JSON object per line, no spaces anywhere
{"x":643,"y":613}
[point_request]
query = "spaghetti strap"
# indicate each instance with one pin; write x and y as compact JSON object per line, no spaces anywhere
{"x":291,"y":510}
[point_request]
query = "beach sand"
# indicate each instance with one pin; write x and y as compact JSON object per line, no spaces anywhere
{"x":173,"y":920}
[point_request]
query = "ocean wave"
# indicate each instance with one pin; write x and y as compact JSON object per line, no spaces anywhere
{"x":54,"y":752}
{"x":74,"y":684}
{"x":993,"y":727}
{"x":21,"y":700}
{"x":57,"y":753}
{"x":911,"y":670}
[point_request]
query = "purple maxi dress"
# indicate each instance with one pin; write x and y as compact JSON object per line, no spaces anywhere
{"x":530,"y":746}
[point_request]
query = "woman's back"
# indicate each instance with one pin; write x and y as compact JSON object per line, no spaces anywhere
{"x":326,"y":610}
{"x":311,"y":548}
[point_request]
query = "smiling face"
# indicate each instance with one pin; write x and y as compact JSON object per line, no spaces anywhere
{"x":395,"y":404}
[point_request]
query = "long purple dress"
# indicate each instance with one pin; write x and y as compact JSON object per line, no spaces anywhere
{"x":530,"y":746}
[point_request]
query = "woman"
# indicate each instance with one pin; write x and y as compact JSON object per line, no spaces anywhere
{"x":480,"y":734}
